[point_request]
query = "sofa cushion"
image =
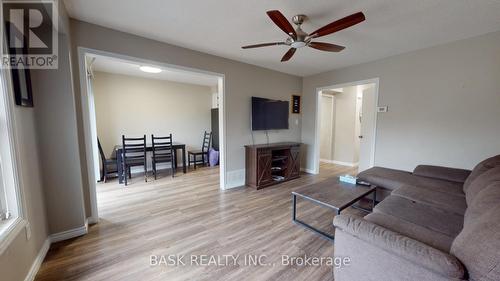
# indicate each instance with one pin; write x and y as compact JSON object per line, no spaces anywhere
{"x":478,"y":184}
{"x":420,"y":233}
{"x":405,"y":248}
{"x":446,"y":201}
{"x":393,"y":179}
{"x":478,"y":246}
{"x":480,"y":168}
{"x":487,"y":199}
{"x":443,"y":173}
{"x":435,"y":219}
{"x":385,"y":177}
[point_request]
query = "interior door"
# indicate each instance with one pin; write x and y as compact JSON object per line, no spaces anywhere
{"x":368,"y":118}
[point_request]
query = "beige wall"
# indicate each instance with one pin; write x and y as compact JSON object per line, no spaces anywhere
{"x":443,"y":104}
{"x":135,"y":106}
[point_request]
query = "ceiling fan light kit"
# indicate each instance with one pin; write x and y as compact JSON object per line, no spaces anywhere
{"x":297,"y":38}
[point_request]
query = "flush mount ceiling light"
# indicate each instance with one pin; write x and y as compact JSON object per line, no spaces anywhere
{"x":150,"y":69}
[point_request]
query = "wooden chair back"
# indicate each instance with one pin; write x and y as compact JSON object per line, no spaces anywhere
{"x":207,"y":139}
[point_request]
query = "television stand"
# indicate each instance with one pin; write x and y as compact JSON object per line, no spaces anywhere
{"x":270,"y":164}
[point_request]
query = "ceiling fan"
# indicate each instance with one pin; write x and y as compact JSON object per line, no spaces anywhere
{"x":298,"y":38}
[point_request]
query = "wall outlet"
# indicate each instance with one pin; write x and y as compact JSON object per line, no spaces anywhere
{"x":28,"y":231}
{"x":382,"y":108}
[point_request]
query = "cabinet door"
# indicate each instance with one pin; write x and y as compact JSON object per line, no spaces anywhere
{"x":264,"y":162}
{"x":293,"y":169}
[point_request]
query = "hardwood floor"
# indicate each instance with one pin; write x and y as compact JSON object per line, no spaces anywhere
{"x":188,"y":215}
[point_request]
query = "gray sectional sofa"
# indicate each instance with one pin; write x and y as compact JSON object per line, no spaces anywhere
{"x":435,"y":223}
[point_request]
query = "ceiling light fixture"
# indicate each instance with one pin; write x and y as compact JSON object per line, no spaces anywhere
{"x":150,"y":69}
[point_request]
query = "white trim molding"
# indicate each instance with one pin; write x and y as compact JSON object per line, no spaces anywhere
{"x":308,"y":171}
{"x":38,"y":261}
{"x":349,"y":164}
{"x":10,"y":233}
{"x":68,"y":234}
{"x":53,"y":238}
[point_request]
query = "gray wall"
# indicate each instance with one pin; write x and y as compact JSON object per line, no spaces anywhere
{"x":241,"y":82}
{"x":444,"y":104}
{"x":50,"y":176}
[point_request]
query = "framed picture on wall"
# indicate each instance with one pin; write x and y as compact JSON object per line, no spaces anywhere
{"x":296,"y":104}
{"x":21,"y":83}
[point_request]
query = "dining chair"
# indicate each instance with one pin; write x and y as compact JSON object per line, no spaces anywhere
{"x":194,"y":154}
{"x":108,"y":165}
{"x":133,"y":154}
{"x":162,"y":152}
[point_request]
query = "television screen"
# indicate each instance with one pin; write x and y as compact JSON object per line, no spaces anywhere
{"x":269,"y":114}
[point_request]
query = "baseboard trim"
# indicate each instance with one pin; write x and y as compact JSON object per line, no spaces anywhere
{"x":349,"y":164}
{"x":68,"y":234}
{"x":92,"y":220}
{"x":309,"y":171}
{"x":38,"y":260}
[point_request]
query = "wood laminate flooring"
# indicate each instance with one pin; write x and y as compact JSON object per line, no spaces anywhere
{"x":188,"y":215}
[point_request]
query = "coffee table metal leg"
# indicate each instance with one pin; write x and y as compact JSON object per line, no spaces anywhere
{"x":295,"y":220}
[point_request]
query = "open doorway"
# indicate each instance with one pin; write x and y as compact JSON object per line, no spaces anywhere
{"x":128,"y":96}
{"x":346,"y":123}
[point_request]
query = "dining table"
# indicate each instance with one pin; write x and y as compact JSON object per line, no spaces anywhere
{"x":149,"y":147}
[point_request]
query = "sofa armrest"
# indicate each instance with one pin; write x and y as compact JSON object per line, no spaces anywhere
{"x":442,"y":173}
{"x":412,"y":250}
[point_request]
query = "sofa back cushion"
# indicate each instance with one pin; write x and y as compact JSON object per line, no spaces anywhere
{"x":480,"y":168}
{"x":481,"y":182}
{"x":477,"y":246}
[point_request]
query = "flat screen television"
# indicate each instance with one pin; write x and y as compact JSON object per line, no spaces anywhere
{"x":269,"y":114}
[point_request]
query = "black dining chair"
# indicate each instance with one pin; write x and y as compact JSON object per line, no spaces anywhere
{"x":108,"y":165}
{"x":162,"y":152}
{"x":194,"y":154}
{"x":133,"y":154}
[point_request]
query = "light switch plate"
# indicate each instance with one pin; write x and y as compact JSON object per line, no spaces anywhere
{"x":382,"y":108}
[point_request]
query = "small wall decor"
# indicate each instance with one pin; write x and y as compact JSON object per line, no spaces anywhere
{"x":21,"y":83}
{"x":295,"y":104}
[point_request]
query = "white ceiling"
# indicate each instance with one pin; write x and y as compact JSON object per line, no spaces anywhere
{"x":118,"y":66}
{"x":221,"y":27}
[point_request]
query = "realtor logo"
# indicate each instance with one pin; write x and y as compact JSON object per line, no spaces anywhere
{"x":29,"y":34}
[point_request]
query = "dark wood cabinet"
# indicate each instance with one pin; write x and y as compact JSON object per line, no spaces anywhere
{"x":269,"y":164}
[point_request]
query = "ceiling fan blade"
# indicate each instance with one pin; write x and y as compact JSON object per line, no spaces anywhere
{"x":279,"y":19}
{"x":326,"y":46}
{"x":288,"y":54}
{"x":339,"y":25}
{"x":263,"y":45}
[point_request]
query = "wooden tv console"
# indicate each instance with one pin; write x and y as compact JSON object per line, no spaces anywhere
{"x":270,"y":164}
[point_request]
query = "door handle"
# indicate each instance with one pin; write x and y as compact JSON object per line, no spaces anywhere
{"x":360,"y":137}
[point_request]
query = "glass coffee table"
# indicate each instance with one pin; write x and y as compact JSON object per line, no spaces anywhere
{"x":332,"y":194}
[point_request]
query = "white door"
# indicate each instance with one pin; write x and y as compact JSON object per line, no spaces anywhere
{"x":368,"y":118}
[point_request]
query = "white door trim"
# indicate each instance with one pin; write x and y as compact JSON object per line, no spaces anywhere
{"x":90,"y":140}
{"x":317,"y":121}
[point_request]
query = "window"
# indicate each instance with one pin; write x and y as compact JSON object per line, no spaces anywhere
{"x":11,"y":219}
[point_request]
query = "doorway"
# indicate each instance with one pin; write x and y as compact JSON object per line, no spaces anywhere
{"x":346,"y":124}
{"x":87,"y":58}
